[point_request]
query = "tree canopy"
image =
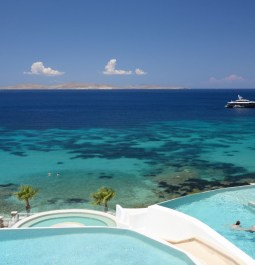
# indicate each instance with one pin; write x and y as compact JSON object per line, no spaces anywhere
{"x":103,"y":195}
{"x":26,"y":193}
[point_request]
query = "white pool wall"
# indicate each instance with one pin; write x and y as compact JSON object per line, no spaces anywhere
{"x":69,"y":211}
{"x":172,"y":225}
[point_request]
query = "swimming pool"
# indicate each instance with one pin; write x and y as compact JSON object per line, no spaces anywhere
{"x":76,"y":246}
{"x":68,"y":218}
{"x":221,"y":208}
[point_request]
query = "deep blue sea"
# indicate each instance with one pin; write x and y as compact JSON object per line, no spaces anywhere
{"x":148,"y":145}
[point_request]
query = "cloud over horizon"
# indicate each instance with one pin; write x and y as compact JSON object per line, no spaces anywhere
{"x":38,"y":68}
{"x":229,"y":78}
{"x":110,"y":69}
{"x":140,"y":72}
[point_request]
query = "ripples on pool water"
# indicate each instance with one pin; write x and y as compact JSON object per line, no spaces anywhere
{"x":85,"y":246}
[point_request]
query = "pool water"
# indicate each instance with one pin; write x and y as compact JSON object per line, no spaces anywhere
{"x":76,"y":246}
{"x":221,"y":208}
{"x":67,"y":219}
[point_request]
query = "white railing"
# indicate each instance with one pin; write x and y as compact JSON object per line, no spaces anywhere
{"x":16,"y":216}
{"x":13,"y":219}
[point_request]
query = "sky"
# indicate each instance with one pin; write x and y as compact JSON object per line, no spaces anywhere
{"x":187,"y":43}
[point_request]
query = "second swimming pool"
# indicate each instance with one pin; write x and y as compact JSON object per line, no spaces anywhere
{"x":68,"y":218}
{"x":221,"y":208}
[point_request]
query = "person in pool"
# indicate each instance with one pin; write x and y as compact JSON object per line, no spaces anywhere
{"x":237,"y":225}
{"x":251,"y":229}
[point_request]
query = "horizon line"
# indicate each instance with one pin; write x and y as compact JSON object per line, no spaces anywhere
{"x":76,"y":85}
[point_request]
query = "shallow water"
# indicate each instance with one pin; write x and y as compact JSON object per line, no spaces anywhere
{"x":149,"y":146}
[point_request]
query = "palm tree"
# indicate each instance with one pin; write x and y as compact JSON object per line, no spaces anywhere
{"x":103,"y":195}
{"x":26,"y":193}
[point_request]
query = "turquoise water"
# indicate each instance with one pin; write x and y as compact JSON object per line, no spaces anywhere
{"x":84,"y":246}
{"x":149,"y":146}
{"x":154,"y":163}
{"x":219,"y":209}
{"x":86,"y":219}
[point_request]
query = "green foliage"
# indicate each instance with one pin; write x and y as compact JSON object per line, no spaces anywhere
{"x":26,"y":193}
{"x":103,"y":195}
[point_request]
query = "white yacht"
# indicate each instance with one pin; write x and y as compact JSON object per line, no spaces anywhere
{"x":240,"y":103}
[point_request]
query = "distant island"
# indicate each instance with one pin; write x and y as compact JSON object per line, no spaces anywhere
{"x":81,"y":86}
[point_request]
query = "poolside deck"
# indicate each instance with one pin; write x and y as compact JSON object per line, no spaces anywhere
{"x":205,"y":253}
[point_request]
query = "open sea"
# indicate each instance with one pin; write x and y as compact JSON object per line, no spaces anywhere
{"x":148,"y":145}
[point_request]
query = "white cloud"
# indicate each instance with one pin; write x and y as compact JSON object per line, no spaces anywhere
{"x":230,"y":78}
{"x":212,"y":79}
{"x":38,"y":68}
{"x":140,"y":72}
{"x":110,"y":69}
{"x":233,"y":78}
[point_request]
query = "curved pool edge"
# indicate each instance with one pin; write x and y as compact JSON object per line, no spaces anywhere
{"x":208,"y":192}
{"x":25,"y":220}
{"x":150,"y":240}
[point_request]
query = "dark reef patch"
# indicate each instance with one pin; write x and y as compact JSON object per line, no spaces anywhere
{"x":241,"y":177}
{"x":7,"y":190}
{"x":175,"y":147}
{"x":76,"y":200}
{"x":194,"y":185}
{"x":8,"y":185}
{"x":53,"y":200}
{"x":17,"y":153}
{"x":105,"y":177}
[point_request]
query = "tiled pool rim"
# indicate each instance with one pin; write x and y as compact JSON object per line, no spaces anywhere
{"x":96,"y":214}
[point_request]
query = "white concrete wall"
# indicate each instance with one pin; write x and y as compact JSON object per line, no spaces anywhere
{"x":172,"y":225}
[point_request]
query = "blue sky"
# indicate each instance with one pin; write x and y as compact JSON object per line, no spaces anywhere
{"x":191,"y":43}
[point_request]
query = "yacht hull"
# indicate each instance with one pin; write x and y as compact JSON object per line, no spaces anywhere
{"x":238,"y":105}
